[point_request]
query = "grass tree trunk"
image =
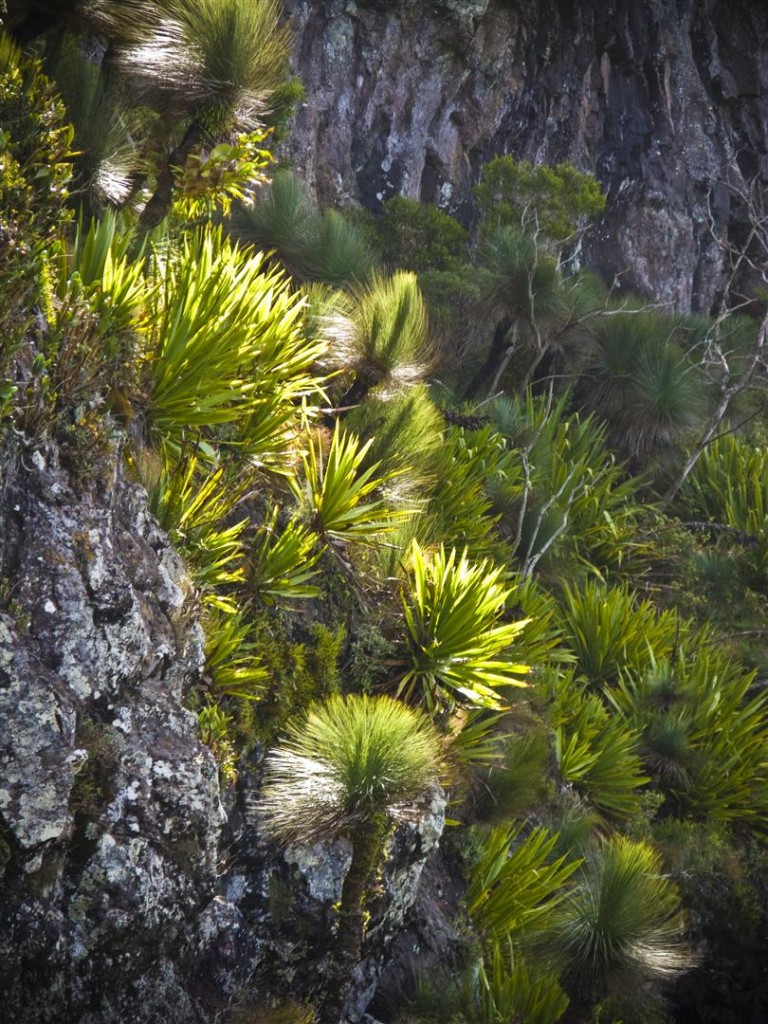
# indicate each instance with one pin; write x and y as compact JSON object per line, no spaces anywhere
{"x":367,"y":839}
{"x":159,"y":204}
{"x":500,"y":346}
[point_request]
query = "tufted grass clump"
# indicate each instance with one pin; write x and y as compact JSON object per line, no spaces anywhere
{"x":347,"y":760}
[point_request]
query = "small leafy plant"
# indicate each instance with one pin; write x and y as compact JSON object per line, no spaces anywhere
{"x":456,"y":634}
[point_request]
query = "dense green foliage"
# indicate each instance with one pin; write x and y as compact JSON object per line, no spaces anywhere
{"x":355,"y":518}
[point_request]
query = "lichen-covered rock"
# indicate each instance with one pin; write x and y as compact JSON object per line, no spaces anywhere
{"x":287,"y":903}
{"x":109,"y":805}
{"x":665,"y":103}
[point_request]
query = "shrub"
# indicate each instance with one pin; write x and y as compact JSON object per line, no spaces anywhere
{"x":557,"y":200}
{"x":334,"y":487}
{"x":609,"y":630}
{"x":517,"y":882}
{"x":597,"y":754}
{"x":419,"y":236}
{"x":729,"y":487}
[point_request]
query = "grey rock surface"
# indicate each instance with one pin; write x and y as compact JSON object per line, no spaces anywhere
{"x":109,"y":806}
{"x":667,"y":103}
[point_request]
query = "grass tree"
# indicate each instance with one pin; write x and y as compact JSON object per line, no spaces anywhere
{"x":386,"y":338}
{"x":106,"y":154}
{"x":520,"y":290}
{"x":406,"y":430}
{"x":642,"y":380}
{"x":619,"y":927}
{"x":313,"y":245}
{"x":215,"y":63}
{"x":349,"y":767}
{"x":283,"y":218}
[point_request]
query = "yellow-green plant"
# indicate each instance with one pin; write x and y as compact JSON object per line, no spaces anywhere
{"x":349,"y":766}
{"x":388,"y":337}
{"x":597,"y":754}
{"x":510,"y":989}
{"x":233,"y":664}
{"x":214,"y":730}
{"x":335,"y":487}
{"x":728,"y":486}
{"x":225,"y":351}
{"x":107,"y":154}
{"x":35,"y":176}
{"x":456,"y":637}
{"x":557,"y":200}
{"x":220,"y":61}
{"x":459,"y":505}
{"x":213,"y":178}
{"x":194,"y":503}
{"x":406,"y":431}
{"x":703,"y":731}
{"x":36,"y":146}
{"x":517,"y":881}
{"x":98,"y":267}
{"x":608,"y":629}
{"x":282,"y":560}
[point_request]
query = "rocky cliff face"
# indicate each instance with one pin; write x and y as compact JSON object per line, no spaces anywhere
{"x":127,"y":890}
{"x":109,"y":806}
{"x":666,"y":101}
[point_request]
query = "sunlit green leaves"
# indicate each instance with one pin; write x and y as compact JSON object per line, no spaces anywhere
{"x":98,"y":266}
{"x":597,"y":754}
{"x":517,"y":881}
{"x":195,"y":504}
{"x":347,"y":760}
{"x":388,"y":337}
{"x":335,"y":487}
{"x":232,"y":661}
{"x":511,"y":989}
{"x":456,"y":635}
{"x":609,"y":629}
{"x":282,"y":560}
{"x":226,"y":345}
{"x":554,"y":199}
